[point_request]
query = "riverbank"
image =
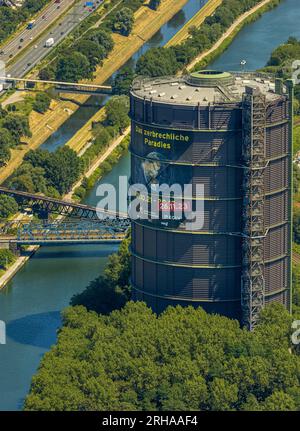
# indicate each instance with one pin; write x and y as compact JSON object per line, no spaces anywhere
{"x":16,"y":266}
{"x":84,"y":135}
{"x":147,"y":23}
{"x":21,"y":260}
{"x":230,"y":34}
{"x":196,"y":21}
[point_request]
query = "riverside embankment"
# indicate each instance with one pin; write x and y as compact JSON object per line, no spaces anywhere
{"x":31,"y":303}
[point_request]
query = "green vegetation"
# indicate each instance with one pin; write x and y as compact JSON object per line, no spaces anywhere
{"x":169,"y":60}
{"x":97,"y":148}
{"x":182,"y":360}
{"x":154,"y":4}
{"x":123,"y":80}
{"x":280,"y":63}
{"x":7,"y":258}
{"x":41,"y":103}
{"x":11,"y":18}
{"x":111,"y":290}
{"x":50,"y":173}
{"x":117,"y":112}
{"x":80,"y":61}
{"x":162,"y":61}
{"x":13,"y":126}
{"x":123,"y":21}
{"x":8,"y":206}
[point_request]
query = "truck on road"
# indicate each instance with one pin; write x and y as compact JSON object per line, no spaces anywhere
{"x":49,"y":42}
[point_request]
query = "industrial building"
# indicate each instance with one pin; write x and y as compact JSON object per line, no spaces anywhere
{"x":231,"y":132}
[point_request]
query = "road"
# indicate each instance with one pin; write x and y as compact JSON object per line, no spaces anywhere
{"x":58,"y":31}
{"x":24,"y":37}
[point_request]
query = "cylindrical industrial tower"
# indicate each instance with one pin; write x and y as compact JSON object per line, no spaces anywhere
{"x":233,"y":134}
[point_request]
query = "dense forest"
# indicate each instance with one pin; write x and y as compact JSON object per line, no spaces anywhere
{"x":183,"y":360}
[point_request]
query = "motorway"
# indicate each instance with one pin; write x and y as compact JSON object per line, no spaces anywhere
{"x":24,"y":37}
{"x":58,"y":30}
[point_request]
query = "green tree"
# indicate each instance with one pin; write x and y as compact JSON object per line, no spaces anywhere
{"x":8,"y":206}
{"x":17,"y":125}
{"x":92,"y":50}
{"x":4,"y":155}
{"x":123,"y":21}
{"x":42,"y":102}
{"x":63,"y":169}
{"x":157,"y":62}
{"x":102,"y":38}
{"x":117,"y":109}
{"x":112,"y":290}
{"x":296,"y":225}
{"x":180,"y":360}
{"x":6,"y":142}
{"x":154,"y":4}
{"x":73,"y":67}
{"x":28,"y":178}
{"x":6,"y":258}
{"x":123,"y":80}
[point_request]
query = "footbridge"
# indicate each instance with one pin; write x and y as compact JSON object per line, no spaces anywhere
{"x":60,"y":86}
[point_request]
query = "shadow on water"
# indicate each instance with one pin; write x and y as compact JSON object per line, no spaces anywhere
{"x":37,"y":330}
{"x":65,"y":252}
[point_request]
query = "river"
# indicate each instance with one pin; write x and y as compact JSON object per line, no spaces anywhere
{"x":31,"y":303}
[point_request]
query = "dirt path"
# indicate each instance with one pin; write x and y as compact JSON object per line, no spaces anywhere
{"x":228,"y":33}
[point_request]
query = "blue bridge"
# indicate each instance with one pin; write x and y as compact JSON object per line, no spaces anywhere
{"x":76,"y":223}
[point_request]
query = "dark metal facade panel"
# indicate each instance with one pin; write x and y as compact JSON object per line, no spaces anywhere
{"x":277,"y":141}
{"x":276,"y":243}
{"x":277,"y":209}
{"x":198,"y":284}
{"x":159,"y":304}
{"x":186,"y":116}
{"x":219,"y":182}
{"x":164,"y":259}
{"x":276,"y":275}
{"x":182,"y":248}
{"x":277,"y":175}
{"x":277,"y":111}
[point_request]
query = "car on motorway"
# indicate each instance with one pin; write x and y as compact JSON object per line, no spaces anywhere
{"x":21,"y":40}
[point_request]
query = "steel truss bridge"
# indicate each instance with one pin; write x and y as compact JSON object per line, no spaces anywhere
{"x":85,"y":224}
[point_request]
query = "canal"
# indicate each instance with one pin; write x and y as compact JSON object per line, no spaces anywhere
{"x":31,"y":303}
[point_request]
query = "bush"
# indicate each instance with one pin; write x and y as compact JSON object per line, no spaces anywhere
{"x":41,"y":103}
{"x":123,"y":21}
{"x":8,"y":206}
{"x":6,"y":258}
